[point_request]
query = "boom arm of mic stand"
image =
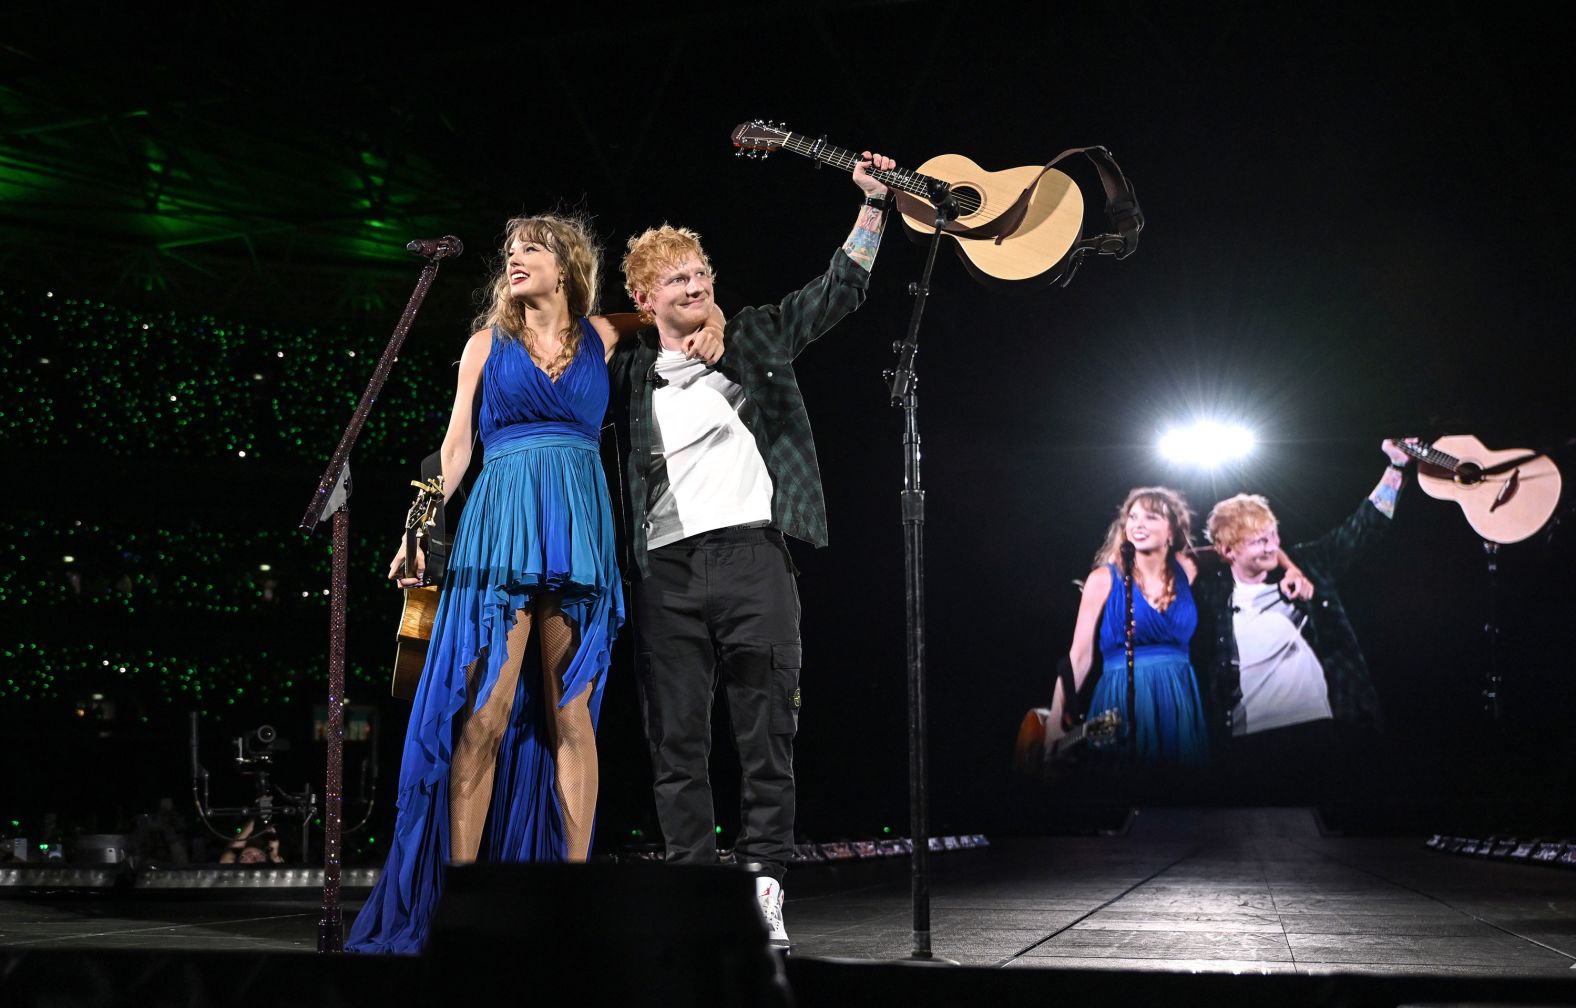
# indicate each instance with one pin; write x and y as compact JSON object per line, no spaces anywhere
{"x":321,"y":505}
{"x":902,"y":379}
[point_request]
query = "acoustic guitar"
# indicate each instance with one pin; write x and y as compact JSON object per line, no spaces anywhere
{"x":421,"y":602}
{"x":1028,"y":255}
{"x":1506,"y":495}
{"x":1041,"y":744}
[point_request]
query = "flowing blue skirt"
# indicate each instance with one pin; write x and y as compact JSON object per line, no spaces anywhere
{"x":538,"y":519}
{"x":1169,"y":720}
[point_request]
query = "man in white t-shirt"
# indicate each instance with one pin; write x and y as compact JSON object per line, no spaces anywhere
{"x":719,"y":465}
{"x":1282,"y":680}
{"x":1278,"y":676}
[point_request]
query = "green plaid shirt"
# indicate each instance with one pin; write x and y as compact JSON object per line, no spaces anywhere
{"x":760,"y":346}
{"x":1328,"y":629}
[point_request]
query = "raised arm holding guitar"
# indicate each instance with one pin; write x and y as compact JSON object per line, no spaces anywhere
{"x":1019,"y":226}
{"x":1506,"y":495}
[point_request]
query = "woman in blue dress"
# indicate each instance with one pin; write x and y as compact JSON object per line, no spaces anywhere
{"x":1167,"y":718}
{"x":500,"y":759}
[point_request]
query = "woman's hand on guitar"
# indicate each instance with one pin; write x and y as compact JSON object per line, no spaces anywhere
{"x":1058,"y":721}
{"x":397,"y":569}
{"x":1038,"y":734}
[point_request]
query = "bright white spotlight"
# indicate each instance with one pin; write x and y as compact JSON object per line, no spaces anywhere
{"x":1206,"y":443}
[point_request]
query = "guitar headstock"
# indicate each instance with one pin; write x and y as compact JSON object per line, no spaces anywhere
{"x":420,"y":519}
{"x":759,"y":137}
{"x":423,"y":513}
{"x":1101,"y":729}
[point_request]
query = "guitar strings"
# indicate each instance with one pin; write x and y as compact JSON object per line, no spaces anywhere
{"x":1433,"y":456}
{"x":910,"y":182}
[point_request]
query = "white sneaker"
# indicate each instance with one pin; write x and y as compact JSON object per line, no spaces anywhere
{"x":769,"y":893}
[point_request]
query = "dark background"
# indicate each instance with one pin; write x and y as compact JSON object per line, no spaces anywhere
{"x":1357,"y":229}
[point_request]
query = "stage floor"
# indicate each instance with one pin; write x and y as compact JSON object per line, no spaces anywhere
{"x":1177,"y":890}
{"x":1235,"y":891}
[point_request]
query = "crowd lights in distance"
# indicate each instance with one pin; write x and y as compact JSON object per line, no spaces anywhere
{"x":1206,"y":443}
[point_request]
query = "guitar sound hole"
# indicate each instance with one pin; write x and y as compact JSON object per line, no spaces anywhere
{"x":969,"y":200}
{"x":1468,"y":473}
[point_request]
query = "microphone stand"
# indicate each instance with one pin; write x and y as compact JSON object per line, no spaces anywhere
{"x":903,"y":383}
{"x":1128,"y":635}
{"x":329,"y":501}
{"x":1492,"y":680}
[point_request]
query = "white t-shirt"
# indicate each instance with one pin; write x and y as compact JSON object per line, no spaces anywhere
{"x":715,"y":476}
{"x":1282,"y":680}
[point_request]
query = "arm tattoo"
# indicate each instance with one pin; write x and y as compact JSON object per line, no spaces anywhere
{"x":1386,"y":492}
{"x":865,"y":238}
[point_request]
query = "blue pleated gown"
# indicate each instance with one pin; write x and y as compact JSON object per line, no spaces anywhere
{"x":1169,"y":719}
{"x":537,"y":519}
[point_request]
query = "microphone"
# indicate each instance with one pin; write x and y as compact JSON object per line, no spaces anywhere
{"x":446,"y":247}
{"x":1127,"y":559}
{"x":655,"y":380}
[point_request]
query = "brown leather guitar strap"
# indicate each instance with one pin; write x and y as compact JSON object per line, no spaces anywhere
{"x":1125,"y":568}
{"x":1129,"y":634}
{"x":437,"y":545}
{"x":1072,"y":701}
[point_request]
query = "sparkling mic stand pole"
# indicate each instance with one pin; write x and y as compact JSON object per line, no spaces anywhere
{"x":903,"y":383}
{"x":330,"y":499}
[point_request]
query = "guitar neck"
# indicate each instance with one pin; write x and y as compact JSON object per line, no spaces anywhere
{"x":1073,"y":736}
{"x":1430,"y":455}
{"x":910,"y":182}
{"x":422,"y":514}
{"x":411,"y":545}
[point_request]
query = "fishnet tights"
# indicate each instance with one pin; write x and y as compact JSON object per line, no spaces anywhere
{"x":569,"y":733}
